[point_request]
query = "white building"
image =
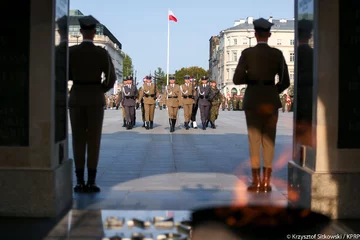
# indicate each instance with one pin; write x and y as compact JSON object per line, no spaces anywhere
{"x":103,"y":38}
{"x":226,"y":48}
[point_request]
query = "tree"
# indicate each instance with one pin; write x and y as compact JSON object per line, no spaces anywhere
{"x":160,"y":77}
{"x":195,"y":72}
{"x":128,"y":67}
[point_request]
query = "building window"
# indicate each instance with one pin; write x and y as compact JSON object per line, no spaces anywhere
{"x":235,"y":41}
{"x":228,"y":76}
{"x":292,"y":57}
{"x":235,"y":58}
{"x":279,"y":42}
{"x":245,"y":41}
{"x":292,"y":42}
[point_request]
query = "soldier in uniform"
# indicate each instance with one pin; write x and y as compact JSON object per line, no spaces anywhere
{"x":172,"y":96}
{"x":195,"y":106}
{"x":120,"y":102}
{"x":141,"y":100}
{"x":188,"y":94}
{"x":204,"y":96}
{"x":86,"y":64}
{"x":129,"y":96}
{"x":257,"y":68}
{"x":215,"y":103}
{"x":149,"y":94}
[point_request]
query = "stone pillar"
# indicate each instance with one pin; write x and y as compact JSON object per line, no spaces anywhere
{"x":325,"y":173}
{"x":35,"y":172}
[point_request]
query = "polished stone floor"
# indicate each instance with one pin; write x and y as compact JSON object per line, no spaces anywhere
{"x":156,"y":170}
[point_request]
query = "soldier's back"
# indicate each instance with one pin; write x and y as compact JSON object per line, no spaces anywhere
{"x":87,"y":62}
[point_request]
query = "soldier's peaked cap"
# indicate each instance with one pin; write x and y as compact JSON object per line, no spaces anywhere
{"x":305,"y":25}
{"x":125,"y":79}
{"x":88,"y":22}
{"x":263,"y":25}
{"x":148,"y":77}
{"x":172,"y":78}
{"x":187,"y":77}
{"x":204,"y":78}
{"x":62,"y":23}
{"x":129,"y":77}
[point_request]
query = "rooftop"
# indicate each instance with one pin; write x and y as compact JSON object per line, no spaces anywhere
{"x":74,"y":20}
{"x":279,"y":24}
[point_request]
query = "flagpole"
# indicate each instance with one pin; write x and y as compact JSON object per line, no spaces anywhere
{"x":168,"y":49}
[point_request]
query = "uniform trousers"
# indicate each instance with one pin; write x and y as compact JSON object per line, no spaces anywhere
{"x":204,"y":112}
{"x":149,"y":112}
{"x":123,"y":112}
{"x":194,"y":112}
{"x":261,"y":133}
{"x":188,"y":108}
{"x":86,"y":127}
{"x":142,"y":111}
{"x":130,"y":113}
{"x":173,"y":112}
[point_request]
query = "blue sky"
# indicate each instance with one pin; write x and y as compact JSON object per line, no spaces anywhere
{"x":141,"y":26}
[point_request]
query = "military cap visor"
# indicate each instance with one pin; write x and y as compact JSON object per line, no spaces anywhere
{"x":88,"y":22}
{"x":187,"y":77}
{"x":262,"y":24}
{"x":171,"y":78}
{"x":148,"y":78}
{"x":204,"y":78}
{"x":130,"y":78}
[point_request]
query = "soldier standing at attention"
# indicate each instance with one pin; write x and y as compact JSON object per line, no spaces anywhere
{"x":257,"y":68}
{"x":172,"y":96}
{"x":215,"y":103}
{"x":195,"y":105}
{"x":130,"y":93}
{"x":86,"y":64}
{"x":149,"y":94}
{"x":141,"y":100}
{"x":188,"y":94}
{"x":120,"y":100}
{"x":204,"y":96}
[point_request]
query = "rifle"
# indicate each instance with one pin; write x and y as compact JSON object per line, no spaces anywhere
{"x":155,"y":87}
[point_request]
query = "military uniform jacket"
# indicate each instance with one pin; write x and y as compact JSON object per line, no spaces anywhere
{"x":129,"y":95}
{"x":216,"y":96}
{"x":172,"y":95}
{"x":204,"y":95}
{"x":148,"y":94}
{"x":188,"y":93}
{"x":256,"y":65}
{"x":87,"y":62}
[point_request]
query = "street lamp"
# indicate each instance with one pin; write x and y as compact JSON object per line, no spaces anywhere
{"x":77,"y":38}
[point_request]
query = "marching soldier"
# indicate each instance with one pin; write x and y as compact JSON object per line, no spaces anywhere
{"x":87,"y":101}
{"x":215,"y":103}
{"x":149,"y":95}
{"x":130,"y":93}
{"x":172,"y":96}
{"x":223,"y":102}
{"x":257,"y":68}
{"x":120,"y":101}
{"x":204,"y":96}
{"x":141,"y":100}
{"x":195,"y":105}
{"x":188,"y":94}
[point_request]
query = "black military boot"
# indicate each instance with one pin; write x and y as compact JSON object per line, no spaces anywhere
{"x":91,"y":185}
{"x":128,"y":126}
{"x":204,"y":126}
{"x":124,"y":125}
{"x":80,"y":186}
{"x":187,"y":125}
{"x":256,"y":183}
{"x":207,"y":123}
{"x":147,"y":125}
{"x":213,"y":125}
{"x":151,"y":124}
{"x":173,"y":121}
{"x":143,"y":125}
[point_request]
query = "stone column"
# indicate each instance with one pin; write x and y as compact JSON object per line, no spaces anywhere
{"x":325,"y":173}
{"x":35,"y":172}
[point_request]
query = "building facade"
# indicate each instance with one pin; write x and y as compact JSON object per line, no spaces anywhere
{"x":103,"y":38}
{"x":229,"y":44}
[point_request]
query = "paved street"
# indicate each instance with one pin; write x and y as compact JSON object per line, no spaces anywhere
{"x":156,"y":170}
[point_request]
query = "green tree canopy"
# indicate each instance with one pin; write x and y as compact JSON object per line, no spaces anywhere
{"x":160,"y":77}
{"x":195,"y":72}
{"x":128,"y":67}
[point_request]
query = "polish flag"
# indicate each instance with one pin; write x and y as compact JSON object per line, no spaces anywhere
{"x":172,"y":16}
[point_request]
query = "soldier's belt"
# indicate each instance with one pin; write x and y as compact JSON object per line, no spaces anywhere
{"x":202,"y":97}
{"x":189,"y":96}
{"x":261,"y":83}
{"x":172,"y":96}
{"x":151,"y":95}
{"x":127,"y":97}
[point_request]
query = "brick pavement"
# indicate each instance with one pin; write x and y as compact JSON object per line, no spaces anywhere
{"x":156,"y":170}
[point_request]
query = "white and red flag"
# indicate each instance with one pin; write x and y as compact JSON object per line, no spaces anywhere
{"x":172,"y":16}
